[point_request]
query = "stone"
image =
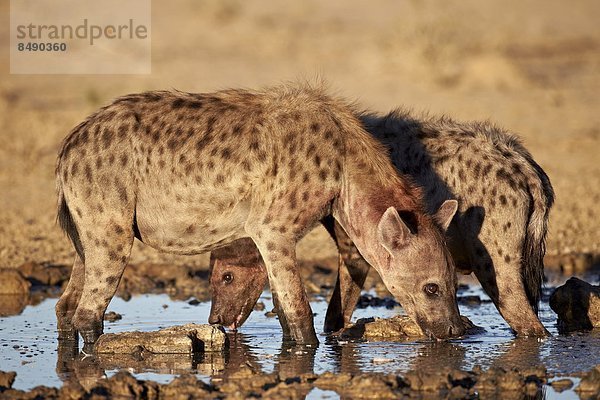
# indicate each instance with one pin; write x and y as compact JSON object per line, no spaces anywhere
{"x":590,"y":383}
{"x":185,"y":339}
{"x":13,"y":282}
{"x":124,"y":385}
{"x":577,"y":304}
{"x":398,"y":327}
{"x":185,"y":387}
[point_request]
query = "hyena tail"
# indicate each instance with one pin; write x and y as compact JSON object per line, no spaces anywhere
{"x":534,"y":246}
{"x":65,"y":219}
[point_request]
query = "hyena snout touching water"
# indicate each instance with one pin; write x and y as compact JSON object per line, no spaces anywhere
{"x":190,"y":173}
{"x":499,"y":232}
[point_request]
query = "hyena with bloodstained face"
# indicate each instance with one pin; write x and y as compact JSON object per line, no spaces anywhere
{"x":189,"y":173}
{"x":499,"y":232}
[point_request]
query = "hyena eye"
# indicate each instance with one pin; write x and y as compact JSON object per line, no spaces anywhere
{"x":431,"y":289}
{"x":227,"y":277}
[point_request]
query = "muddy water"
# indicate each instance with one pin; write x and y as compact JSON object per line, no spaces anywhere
{"x":29,"y":347}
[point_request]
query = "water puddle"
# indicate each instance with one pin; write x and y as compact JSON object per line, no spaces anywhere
{"x":28,"y":346}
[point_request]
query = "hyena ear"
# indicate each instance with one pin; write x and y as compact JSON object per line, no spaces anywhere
{"x":392,"y":231}
{"x":446,"y":212}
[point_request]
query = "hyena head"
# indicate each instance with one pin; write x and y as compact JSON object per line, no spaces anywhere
{"x":238,"y":276}
{"x":419,"y":270}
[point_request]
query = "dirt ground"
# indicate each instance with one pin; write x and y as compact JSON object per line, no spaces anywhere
{"x":531,"y":66}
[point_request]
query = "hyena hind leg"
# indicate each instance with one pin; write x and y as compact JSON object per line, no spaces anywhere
{"x":104,"y":266}
{"x":67,"y":304}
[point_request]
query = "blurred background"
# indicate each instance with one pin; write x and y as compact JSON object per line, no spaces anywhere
{"x":530,"y":66}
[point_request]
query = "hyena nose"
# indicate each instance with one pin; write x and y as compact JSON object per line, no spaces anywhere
{"x":214,"y":319}
{"x":456,"y":330}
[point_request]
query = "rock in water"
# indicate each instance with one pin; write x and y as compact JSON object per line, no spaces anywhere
{"x":185,"y":339}
{"x":577,"y":304}
{"x":398,"y":327}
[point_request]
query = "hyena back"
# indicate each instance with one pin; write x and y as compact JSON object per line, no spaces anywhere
{"x":499,"y":232}
{"x":189,"y":173}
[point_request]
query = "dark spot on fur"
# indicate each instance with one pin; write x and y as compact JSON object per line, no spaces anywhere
{"x":507,"y":258}
{"x":107,"y":136}
{"x":210,"y":123}
{"x":323,"y":174}
{"x":124,"y":159}
{"x":226,"y":153}
{"x":178,"y":103}
{"x":123,"y":130}
{"x":172,"y":143}
{"x":315,"y":127}
{"x":111,"y":280}
{"x":88,"y":172}
{"x":122,"y":193}
{"x":270,"y":246}
{"x":502,"y":199}
{"x":113,"y":256}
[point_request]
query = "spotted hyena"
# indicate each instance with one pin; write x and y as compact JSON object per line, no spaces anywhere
{"x":189,"y":173}
{"x":499,"y":232}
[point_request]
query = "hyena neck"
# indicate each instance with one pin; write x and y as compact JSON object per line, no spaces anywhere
{"x":359,"y":209}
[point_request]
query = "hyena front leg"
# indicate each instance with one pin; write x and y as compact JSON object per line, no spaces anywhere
{"x":67,"y":304}
{"x":279,"y":254}
{"x":499,"y":271}
{"x":504,"y":285}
